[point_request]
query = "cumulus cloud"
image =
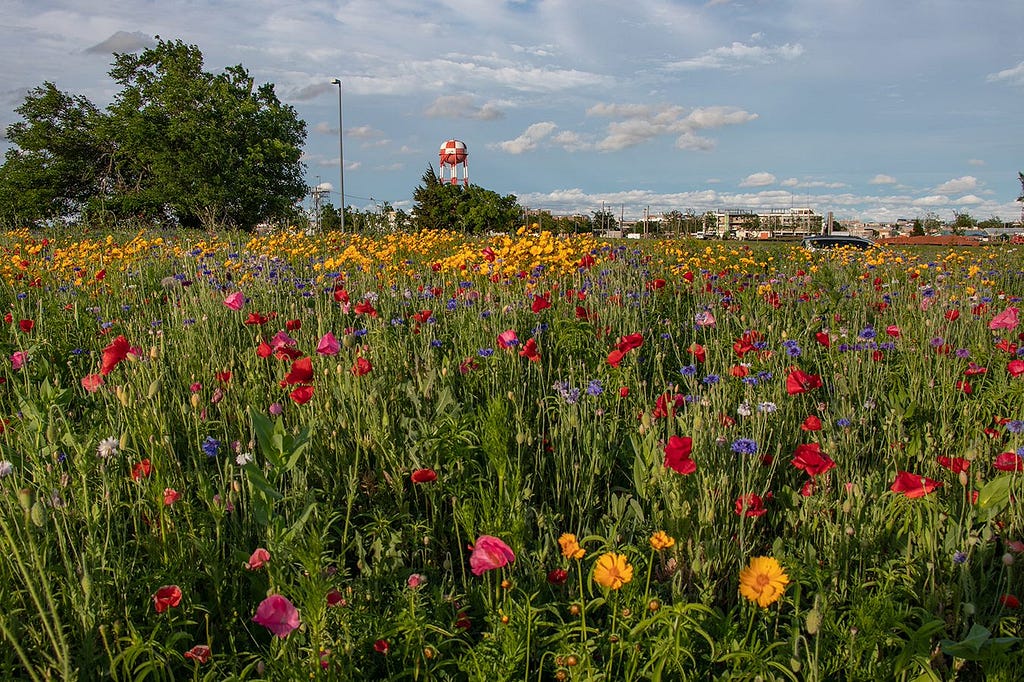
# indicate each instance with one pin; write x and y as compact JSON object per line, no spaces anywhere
{"x":758,"y":180}
{"x":738,"y":56}
{"x":970,"y":199}
{"x":881,"y":179}
{"x":529,"y":140}
{"x":122,"y":42}
{"x":1013,"y":75}
{"x":640,"y":123}
{"x":958,"y":185}
{"x":463,"y":106}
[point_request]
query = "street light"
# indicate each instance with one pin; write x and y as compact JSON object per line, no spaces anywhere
{"x":341,"y":153}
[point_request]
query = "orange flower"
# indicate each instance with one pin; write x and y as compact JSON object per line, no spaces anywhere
{"x":570,"y":547}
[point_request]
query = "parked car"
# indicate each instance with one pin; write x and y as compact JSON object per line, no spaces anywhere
{"x":832,"y":241}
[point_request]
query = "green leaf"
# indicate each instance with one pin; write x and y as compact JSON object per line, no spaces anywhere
{"x":995,"y":496}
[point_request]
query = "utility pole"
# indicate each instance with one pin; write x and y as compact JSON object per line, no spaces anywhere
{"x":341,"y":154}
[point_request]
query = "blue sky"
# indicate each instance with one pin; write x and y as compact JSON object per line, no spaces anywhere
{"x":872,"y":109}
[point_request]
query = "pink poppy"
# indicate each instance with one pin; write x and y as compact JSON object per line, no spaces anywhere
{"x":677,"y":455}
{"x":507,"y":339}
{"x":704,"y":318}
{"x":1005,"y":320}
{"x":913,"y":485}
{"x":811,"y":459}
{"x":258,"y":559}
{"x":171,"y":496}
{"x":893,"y":331}
{"x":278,"y":615}
{"x":18,"y":359}
{"x":328,"y":345}
{"x":1015,"y":368}
{"x":488,"y":554}
{"x":92,"y":382}
{"x":235,"y":301}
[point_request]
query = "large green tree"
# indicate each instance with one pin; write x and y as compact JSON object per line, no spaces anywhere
{"x":177,"y":143}
{"x":472,"y":208}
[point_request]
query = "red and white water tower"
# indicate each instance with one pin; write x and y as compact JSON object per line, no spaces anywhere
{"x":453,"y":154}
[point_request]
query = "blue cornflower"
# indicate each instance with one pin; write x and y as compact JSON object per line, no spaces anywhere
{"x":959,"y":557}
{"x":744,"y":446}
{"x":792,"y":348}
{"x":688,"y":370}
{"x":484,"y":314}
{"x":452,"y":304}
{"x":211,"y":446}
{"x":485,"y":352}
{"x":867,"y":333}
{"x":594,"y":387}
{"x":962,"y":353}
{"x":843,"y":422}
{"x":436,"y":343}
{"x":712,"y":379}
{"x":22,"y":296}
{"x":1015,"y":426}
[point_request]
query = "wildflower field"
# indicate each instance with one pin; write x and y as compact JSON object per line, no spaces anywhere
{"x":429,"y":457}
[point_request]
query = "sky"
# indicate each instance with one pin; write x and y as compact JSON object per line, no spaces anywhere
{"x":874,"y":110}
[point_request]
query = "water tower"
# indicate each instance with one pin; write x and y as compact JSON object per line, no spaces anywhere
{"x":453,"y":154}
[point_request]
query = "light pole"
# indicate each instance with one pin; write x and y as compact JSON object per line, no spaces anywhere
{"x":341,"y":153}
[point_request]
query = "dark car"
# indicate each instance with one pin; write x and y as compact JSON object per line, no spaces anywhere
{"x":832,"y":241}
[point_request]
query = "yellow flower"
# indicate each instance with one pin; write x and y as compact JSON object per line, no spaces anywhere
{"x":570,"y":547}
{"x":763,"y":581}
{"x":612,"y":570}
{"x":662,"y":540}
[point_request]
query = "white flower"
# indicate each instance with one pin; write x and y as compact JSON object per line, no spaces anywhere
{"x":743,"y":410}
{"x":243,"y":458}
{"x":767,"y":407}
{"x":6,"y":468}
{"x":108,"y":447}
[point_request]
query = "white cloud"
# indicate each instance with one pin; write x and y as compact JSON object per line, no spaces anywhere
{"x":975,"y":162}
{"x":363,"y":132}
{"x":737,"y":56}
{"x":1013,"y":75}
{"x":463,"y":106}
{"x":642,"y":122}
{"x":970,"y":199}
{"x":122,"y":42}
{"x":881,"y":179}
{"x":758,"y":180}
{"x":931,"y":200}
{"x":957,"y":185}
{"x":812,"y":184}
{"x":529,"y":140}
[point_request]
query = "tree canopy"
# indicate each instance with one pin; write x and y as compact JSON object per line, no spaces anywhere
{"x":177,"y":143}
{"x":471,"y":208}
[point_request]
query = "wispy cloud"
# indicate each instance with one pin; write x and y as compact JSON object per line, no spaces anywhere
{"x":463,"y":106}
{"x":1013,"y":75}
{"x":641,"y":123}
{"x":881,"y":179}
{"x":957,"y":185}
{"x":758,"y":180}
{"x":738,"y":56}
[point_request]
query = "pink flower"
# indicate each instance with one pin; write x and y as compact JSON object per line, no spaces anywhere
{"x":18,"y":359}
{"x":258,"y":559}
{"x":92,"y":382}
{"x":328,"y":345}
{"x":235,"y":301}
{"x":488,"y":554}
{"x":278,"y":615}
{"x":1004,"y":320}
{"x":1015,"y":368}
{"x":166,"y":597}
{"x":171,"y":496}
{"x":507,"y":338}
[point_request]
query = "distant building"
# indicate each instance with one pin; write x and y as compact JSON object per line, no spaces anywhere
{"x":774,"y":223}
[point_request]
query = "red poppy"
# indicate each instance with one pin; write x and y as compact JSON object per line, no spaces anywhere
{"x":300,"y":373}
{"x":954,"y":464}
{"x":382,"y":647}
{"x":364,"y":307}
{"x":623,"y":391}
{"x":362,"y":366}
{"x":1009,"y":601}
{"x":424,"y":476}
{"x":800,"y":381}
{"x":8,"y":318}
{"x":113,"y":354}
{"x":92,"y":382}
{"x":677,"y":455}
{"x":974,"y":369}
{"x":255,"y":319}
{"x":656,"y":284}
{"x":334,"y":598}
{"x":141,"y":470}
{"x":1007,"y":346}
{"x":698,"y":351}
{"x":893,"y":331}
{"x":223,"y":377}
{"x":422,"y":316}
{"x":27,"y":325}
{"x":1009,"y":461}
{"x":166,"y":597}
{"x":952,"y":315}
{"x":913,"y":485}
{"x":750,"y":504}
{"x":809,"y":457}
{"x":529,"y":351}
{"x":340,"y":295}
{"x":812,"y":423}
{"x":1015,"y":368}
{"x":302,"y":394}
{"x":667,"y":404}
{"x":586,"y":261}
{"x":964,"y":387}
{"x":630,"y":342}
{"x":558,"y":576}
{"x":823,"y":339}
{"x":615,"y":357}
{"x":808,"y":489}
{"x":171,"y":496}
{"x":200,"y":653}
{"x":739,"y":371}
{"x":292,"y":325}
{"x":540,"y":303}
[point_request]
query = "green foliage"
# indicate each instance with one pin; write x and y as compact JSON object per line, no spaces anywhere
{"x":177,"y":144}
{"x":471,"y":209}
